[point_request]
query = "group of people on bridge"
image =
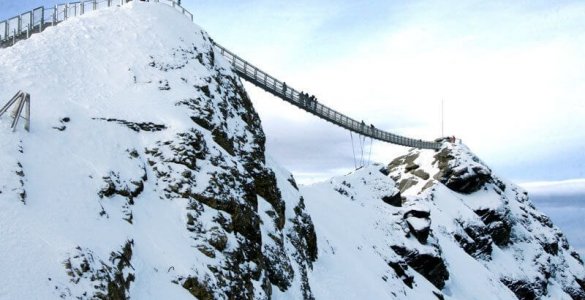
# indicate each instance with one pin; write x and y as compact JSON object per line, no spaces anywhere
{"x":309,"y":101}
{"x":304,"y":98}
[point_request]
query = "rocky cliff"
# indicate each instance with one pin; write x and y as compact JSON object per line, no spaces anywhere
{"x":439,"y":225}
{"x":144,"y":175}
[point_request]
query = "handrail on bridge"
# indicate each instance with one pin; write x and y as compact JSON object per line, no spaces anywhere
{"x":21,"y":27}
{"x":272,"y":85}
{"x":36,"y":20}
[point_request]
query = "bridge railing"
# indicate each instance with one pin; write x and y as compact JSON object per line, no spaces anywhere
{"x":36,"y":20}
{"x":21,"y":27}
{"x":293,"y":96}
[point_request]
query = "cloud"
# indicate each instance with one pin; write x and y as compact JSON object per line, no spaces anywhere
{"x":566,"y":188}
{"x":510,"y":73}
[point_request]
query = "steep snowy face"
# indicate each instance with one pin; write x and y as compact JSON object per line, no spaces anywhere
{"x":451,"y":228}
{"x":144,"y":174}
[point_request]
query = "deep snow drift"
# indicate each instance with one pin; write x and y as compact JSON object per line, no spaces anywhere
{"x":144,"y":176}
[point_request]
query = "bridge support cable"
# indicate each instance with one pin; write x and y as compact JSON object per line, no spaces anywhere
{"x":370,"y":154}
{"x":278,"y":88}
{"x":362,"y":146}
{"x":353,"y":150}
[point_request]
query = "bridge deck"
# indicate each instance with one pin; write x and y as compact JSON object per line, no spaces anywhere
{"x":35,"y":21}
{"x":270,"y":84}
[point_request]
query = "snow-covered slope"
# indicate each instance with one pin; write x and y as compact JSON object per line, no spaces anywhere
{"x":144,"y":173}
{"x":144,"y":176}
{"x":439,"y":225}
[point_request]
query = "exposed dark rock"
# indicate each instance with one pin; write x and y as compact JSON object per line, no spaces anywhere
{"x":265,"y":185}
{"x":222,"y":139}
{"x":463,"y":179}
{"x":405,"y":184}
{"x":20,"y":173}
{"x":400,"y":270}
{"x":417,"y":213}
{"x":551,"y":248}
{"x":218,"y":239}
{"x":525,"y":290}
{"x":198,"y":290}
{"x":394,"y":200}
{"x":500,"y":232}
{"x":292,"y":181}
{"x":477,"y":243}
{"x":384,"y":171}
{"x":420,"y":233}
{"x":279,"y":268}
{"x":411,"y":167}
{"x":497,"y":224}
{"x":421,"y":174}
{"x":576,"y":256}
{"x":431,"y":267}
{"x":144,"y":126}
{"x":439,"y":296}
{"x":164,"y":85}
{"x":109,"y":280}
{"x":306,"y":231}
{"x":207,"y":251}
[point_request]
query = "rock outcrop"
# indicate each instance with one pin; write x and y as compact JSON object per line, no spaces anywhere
{"x":145,"y":172}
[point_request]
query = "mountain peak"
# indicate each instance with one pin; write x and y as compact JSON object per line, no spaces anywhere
{"x":452,"y":224}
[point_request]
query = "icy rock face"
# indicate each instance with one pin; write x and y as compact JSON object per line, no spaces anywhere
{"x":492,"y":220}
{"x":164,"y":191}
{"x":436,"y":225}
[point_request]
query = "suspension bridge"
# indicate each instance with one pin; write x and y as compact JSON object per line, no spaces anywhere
{"x":23,"y":26}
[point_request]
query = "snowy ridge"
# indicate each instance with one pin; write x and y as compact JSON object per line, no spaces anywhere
{"x":455,"y":230}
{"x":144,"y":173}
{"x":145,"y":176}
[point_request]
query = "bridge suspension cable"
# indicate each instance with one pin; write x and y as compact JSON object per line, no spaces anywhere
{"x":36,"y":20}
{"x":280,"y":89}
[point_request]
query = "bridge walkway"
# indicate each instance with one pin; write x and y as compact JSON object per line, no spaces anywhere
{"x":277,"y":88}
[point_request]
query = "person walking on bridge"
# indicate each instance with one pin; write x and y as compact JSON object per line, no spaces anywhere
{"x":313,"y":102}
{"x":303,"y":98}
{"x":284,"y":88}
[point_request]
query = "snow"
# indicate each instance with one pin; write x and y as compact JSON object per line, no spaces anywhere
{"x":359,"y":230}
{"x":83,"y":75}
{"x":79,"y":77}
{"x":353,"y":234}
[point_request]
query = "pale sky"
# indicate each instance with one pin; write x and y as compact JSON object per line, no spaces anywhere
{"x":511,"y":73}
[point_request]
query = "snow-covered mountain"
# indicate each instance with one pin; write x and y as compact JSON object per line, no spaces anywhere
{"x":144,"y":176}
{"x":144,"y":173}
{"x":437,"y":225}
